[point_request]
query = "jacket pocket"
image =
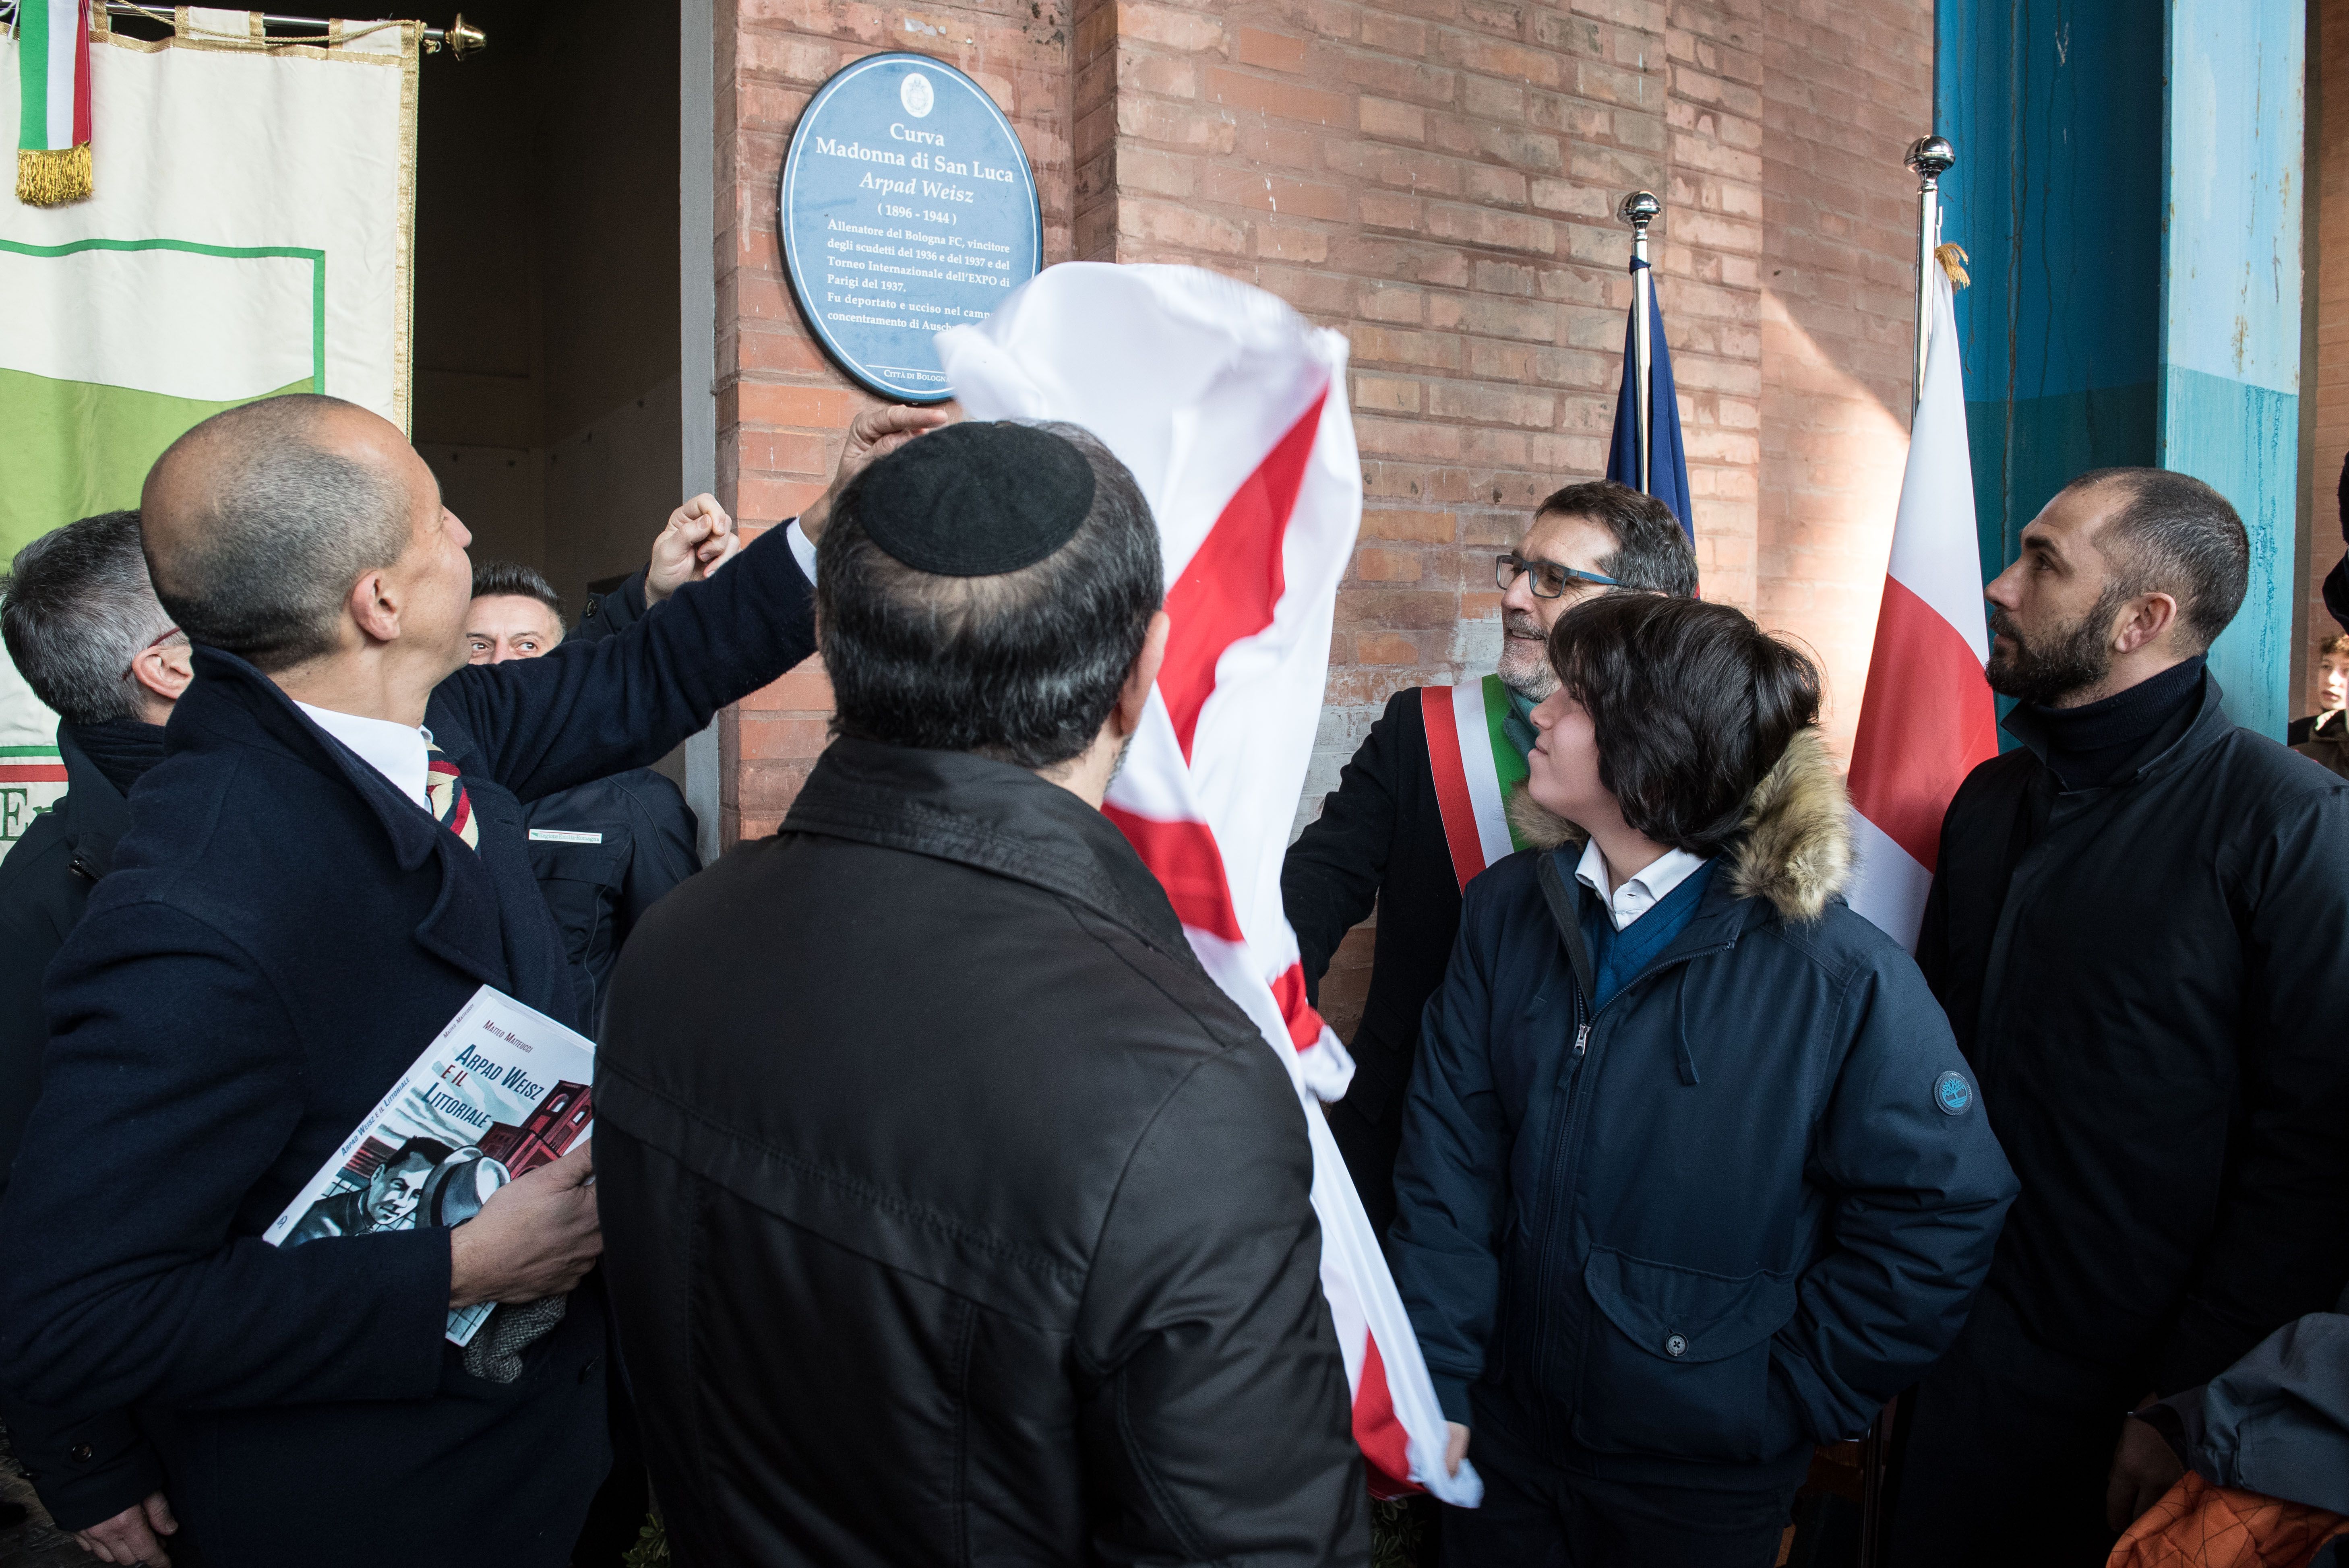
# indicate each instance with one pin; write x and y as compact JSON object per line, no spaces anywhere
{"x":1677,"y":1362}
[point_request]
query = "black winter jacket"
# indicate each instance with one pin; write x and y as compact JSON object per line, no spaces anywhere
{"x":2150,"y":979}
{"x":89,"y":1466}
{"x":282,"y":935}
{"x":604,"y":853}
{"x":1753,"y":1202}
{"x":1380,"y":842}
{"x":960,"y":1217}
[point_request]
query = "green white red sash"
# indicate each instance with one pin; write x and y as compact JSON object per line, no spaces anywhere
{"x":1474,"y":767}
{"x":53,"y":162}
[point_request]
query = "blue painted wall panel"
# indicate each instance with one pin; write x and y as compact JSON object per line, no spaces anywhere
{"x":2244,"y":442}
{"x":2229,"y":413}
{"x":2054,"y":108}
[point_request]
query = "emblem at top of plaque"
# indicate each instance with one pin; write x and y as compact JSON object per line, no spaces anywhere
{"x":908,"y":207}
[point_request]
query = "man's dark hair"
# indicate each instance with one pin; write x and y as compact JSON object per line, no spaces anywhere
{"x":1024,"y":665}
{"x":512,"y":579}
{"x":1691,"y":704}
{"x":2174,"y":534}
{"x":1651,"y":549}
{"x":79,"y":609}
{"x":286,"y":529}
{"x":429,"y":1150}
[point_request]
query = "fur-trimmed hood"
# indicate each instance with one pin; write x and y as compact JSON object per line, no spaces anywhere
{"x":1795,"y":848}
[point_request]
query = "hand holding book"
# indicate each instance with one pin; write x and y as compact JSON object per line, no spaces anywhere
{"x":536,"y":1236}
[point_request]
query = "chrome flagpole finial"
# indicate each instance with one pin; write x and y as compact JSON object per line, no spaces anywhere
{"x":1639,"y":209}
{"x":1931,"y":157}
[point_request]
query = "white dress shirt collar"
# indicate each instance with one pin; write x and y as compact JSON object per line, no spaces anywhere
{"x":400,"y":752}
{"x":1639,"y":893}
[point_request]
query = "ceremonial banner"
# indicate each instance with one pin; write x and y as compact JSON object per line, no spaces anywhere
{"x":250,"y":233}
{"x":1231,"y":411}
{"x":1927,"y":719}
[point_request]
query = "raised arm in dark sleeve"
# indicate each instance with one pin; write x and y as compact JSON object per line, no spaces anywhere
{"x":174,"y":1299}
{"x":1330,"y":880}
{"x":624,"y":701}
{"x":1218,"y":1427}
{"x":610,"y":614}
{"x":2281,"y":1244}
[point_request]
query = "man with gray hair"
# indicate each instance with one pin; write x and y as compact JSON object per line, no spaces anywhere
{"x":83,"y":626}
{"x":328,"y":863}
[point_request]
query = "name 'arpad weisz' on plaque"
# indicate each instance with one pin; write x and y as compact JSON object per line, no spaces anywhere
{"x":907,"y":207}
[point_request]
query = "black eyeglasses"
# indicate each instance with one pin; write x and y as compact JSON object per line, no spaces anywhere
{"x":1549,"y":579}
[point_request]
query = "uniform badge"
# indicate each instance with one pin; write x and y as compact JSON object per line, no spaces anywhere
{"x":1953,"y":1094}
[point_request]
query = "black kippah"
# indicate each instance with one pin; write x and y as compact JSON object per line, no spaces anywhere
{"x":975,"y":499}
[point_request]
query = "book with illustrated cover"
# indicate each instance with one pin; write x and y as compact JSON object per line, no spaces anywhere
{"x":501,"y":1090}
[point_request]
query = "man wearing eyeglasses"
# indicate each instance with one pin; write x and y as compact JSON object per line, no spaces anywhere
{"x":1420,"y":808}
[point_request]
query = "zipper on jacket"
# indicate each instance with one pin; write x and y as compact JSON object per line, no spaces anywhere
{"x":1566,"y":1165}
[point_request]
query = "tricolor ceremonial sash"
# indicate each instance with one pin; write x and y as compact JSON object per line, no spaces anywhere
{"x":53,"y":162}
{"x":1474,"y":767}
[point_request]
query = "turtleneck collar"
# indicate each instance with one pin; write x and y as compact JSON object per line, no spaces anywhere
{"x":2090,"y":746}
{"x":122,"y":748}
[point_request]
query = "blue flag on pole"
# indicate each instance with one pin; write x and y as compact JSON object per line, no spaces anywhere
{"x":1668,"y":463}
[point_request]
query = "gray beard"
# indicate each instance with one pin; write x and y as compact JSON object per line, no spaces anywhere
{"x":1524,"y":662}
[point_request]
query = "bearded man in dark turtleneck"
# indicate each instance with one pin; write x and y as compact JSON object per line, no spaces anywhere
{"x":86,"y":631}
{"x":2139,"y":928}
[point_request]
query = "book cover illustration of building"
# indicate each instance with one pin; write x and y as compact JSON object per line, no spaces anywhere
{"x":502,"y":1091}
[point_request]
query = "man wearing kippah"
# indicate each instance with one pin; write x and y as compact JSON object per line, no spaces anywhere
{"x":960,"y":1217}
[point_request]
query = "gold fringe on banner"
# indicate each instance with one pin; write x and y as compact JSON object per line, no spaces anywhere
{"x":51,"y":178}
{"x":1953,"y":261}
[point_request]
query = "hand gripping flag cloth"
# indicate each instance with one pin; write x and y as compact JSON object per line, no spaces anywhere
{"x":1231,"y":412}
{"x":1927,"y":719}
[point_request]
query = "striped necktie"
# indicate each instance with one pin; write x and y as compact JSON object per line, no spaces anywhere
{"x":446,"y":789}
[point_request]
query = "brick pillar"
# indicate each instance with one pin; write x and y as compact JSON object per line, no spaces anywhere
{"x":782,"y":404}
{"x":2326,"y":379}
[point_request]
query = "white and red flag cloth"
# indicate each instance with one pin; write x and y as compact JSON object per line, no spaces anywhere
{"x":1231,"y":411}
{"x":1928,"y":719}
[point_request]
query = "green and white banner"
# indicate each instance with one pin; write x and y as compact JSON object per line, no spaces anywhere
{"x":250,"y":233}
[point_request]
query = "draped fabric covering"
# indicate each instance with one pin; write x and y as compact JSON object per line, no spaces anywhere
{"x":1231,"y":412}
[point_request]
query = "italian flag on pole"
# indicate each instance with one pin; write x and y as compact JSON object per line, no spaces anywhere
{"x":53,"y":112}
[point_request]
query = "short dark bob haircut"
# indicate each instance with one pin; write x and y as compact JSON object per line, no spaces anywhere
{"x":1022,"y":667}
{"x":1691,"y":705}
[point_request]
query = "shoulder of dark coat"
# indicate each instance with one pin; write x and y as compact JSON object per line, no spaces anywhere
{"x":1793,"y":848}
{"x":2276,"y":775}
{"x":1997,"y":778}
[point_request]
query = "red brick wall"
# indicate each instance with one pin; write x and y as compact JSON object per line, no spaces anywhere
{"x":2326,"y":379}
{"x":1437,"y":179}
{"x":1845,"y":87}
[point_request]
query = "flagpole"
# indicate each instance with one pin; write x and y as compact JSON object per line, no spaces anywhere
{"x":1931,"y":157}
{"x":1639,"y":209}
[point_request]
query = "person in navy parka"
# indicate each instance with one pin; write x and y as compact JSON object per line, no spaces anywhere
{"x":1694,"y":1176}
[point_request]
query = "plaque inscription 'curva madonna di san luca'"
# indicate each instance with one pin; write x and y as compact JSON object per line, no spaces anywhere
{"x":907,"y":207}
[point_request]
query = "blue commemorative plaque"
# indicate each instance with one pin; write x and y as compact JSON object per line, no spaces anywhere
{"x":907,"y":205}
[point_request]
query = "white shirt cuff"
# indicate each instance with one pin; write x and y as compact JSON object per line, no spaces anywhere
{"x":802,"y":548}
